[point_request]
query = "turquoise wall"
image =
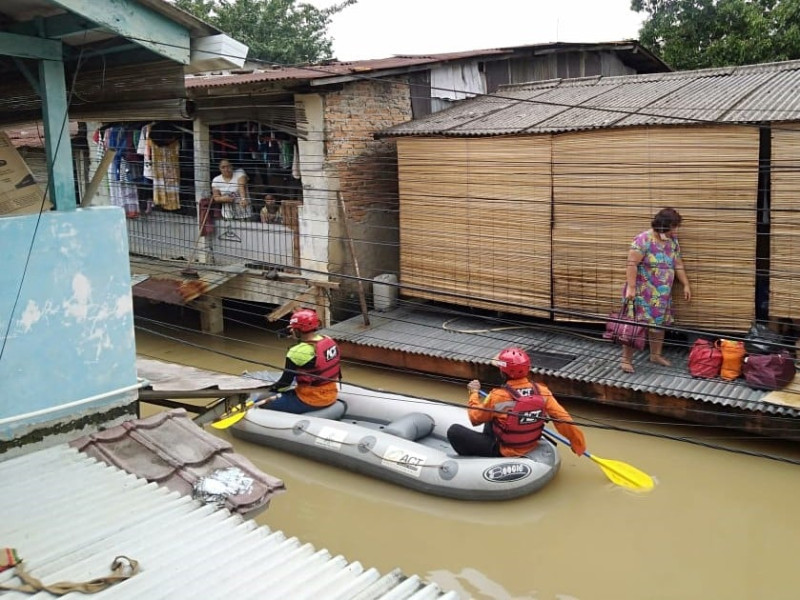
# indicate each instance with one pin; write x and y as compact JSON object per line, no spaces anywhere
{"x":66,"y":314}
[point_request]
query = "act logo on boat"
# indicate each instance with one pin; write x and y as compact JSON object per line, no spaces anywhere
{"x":507,"y":472}
{"x":403,"y":461}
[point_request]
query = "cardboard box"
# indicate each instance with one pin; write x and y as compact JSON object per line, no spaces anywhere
{"x":19,"y":192}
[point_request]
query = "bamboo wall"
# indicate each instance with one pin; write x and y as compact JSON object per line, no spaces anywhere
{"x":784,"y":292}
{"x":607,"y":185}
{"x":475,"y":221}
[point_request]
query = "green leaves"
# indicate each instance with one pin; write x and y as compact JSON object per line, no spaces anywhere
{"x":694,"y":34}
{"x":285,"y":32}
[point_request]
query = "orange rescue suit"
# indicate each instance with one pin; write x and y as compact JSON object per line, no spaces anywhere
{"x":481,"y":411}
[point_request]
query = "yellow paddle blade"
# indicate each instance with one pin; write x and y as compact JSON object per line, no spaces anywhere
{"x":236,"y":414}
{"x":624,"y":474}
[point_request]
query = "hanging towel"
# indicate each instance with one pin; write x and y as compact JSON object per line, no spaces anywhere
{"x":296,"y":164}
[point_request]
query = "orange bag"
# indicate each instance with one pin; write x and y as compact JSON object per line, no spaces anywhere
{"x":732,"y":358}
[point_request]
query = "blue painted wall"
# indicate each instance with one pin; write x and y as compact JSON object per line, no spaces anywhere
{"x":66,"y":312}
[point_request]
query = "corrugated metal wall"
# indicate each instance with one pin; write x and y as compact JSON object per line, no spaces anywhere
{"x":475,"y":220}
{"x":564,"y":65}
{"x":784,"y":294}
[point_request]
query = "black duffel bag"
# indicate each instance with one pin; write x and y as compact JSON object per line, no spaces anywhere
{"x":762,"y":340}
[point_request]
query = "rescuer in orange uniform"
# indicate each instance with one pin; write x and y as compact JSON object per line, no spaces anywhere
{"x":312,"y":364}
{"x":515,"y":414}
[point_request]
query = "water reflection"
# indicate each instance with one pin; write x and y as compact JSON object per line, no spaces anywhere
{"x":717,"y":525}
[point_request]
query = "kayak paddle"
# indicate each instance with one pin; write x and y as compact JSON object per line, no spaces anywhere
{"x":617,"y":472}
{"x":237,"y":413}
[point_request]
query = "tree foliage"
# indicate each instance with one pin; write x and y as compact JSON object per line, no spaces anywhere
{"x":694,"y":34}
{"x":278,"y":31}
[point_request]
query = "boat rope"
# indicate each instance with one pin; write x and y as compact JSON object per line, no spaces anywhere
{"x":327,"y":441}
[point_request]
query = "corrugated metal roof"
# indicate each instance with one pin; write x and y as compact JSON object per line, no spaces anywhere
{"x":173,"y":377}
{"x":69,"y":516}
{"x":754,"y":93}
{"x":437,"y":334}
{"x":374,"y":67}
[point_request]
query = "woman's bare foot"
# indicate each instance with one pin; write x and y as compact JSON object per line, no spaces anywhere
{"x":626,"y":366}
{"x":660,"y":360}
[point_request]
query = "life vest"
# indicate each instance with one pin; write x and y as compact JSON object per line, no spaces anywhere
{"x":525,"y":420}
{"x":326,"y":364}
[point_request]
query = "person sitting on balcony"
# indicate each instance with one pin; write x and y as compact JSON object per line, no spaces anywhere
{"x":229,"y":189}
{"x":271,"y":211}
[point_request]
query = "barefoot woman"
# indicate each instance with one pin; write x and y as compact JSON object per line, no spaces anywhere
{"x":654,"y":261}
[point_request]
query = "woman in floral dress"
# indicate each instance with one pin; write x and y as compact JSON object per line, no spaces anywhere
{"x":654,"y":261}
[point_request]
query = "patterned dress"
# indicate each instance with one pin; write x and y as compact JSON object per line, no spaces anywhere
{"x":654,"y":277}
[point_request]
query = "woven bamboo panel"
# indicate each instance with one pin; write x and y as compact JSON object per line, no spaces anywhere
{"x":784,"y":291}
{"x":607,"y":185}
{"x":475,"y":221}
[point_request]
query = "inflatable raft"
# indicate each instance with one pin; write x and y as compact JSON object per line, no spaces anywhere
{"x":401,"y":439}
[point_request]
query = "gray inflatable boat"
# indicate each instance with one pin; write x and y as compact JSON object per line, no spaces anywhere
{"x":401,"y":439}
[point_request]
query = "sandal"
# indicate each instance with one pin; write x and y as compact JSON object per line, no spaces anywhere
{"x":660,"y":360}
{"x":626,"y":366}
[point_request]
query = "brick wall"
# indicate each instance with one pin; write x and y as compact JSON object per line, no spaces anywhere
{"x":365,"y":170}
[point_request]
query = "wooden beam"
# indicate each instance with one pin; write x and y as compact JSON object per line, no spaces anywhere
{"x":24,"y":46}
{"x":362,"y":299}
{"x":308,"y":295}
{"x":140,"y":24}
{"x":55,"y":27}
{"x":99,"y":174}
{"x":58,"y":145}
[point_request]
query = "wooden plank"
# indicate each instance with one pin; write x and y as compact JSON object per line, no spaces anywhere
{"x":307,"y":296}
{"x":138,"y":23}
{"x":25,"y":46}
{"x":97,"y":178}
{"x":58,"y":147}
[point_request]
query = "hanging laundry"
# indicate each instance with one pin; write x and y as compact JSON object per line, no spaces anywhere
{"x":287,"y":151}
{"x":121,"y":188}
{"x":166,"y":173}
{"x":296,"y":164}
{"x":143,"y":148}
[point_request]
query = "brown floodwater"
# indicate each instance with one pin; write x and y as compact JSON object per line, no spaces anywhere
{"x":718,"y":524}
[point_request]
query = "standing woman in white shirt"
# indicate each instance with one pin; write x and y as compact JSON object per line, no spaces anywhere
{"x":229,"y":188}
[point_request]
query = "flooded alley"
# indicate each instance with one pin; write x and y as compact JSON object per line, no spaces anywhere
{"x":719,"y":524}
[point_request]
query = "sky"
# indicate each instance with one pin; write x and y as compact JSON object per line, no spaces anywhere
{"x":381,"y":28}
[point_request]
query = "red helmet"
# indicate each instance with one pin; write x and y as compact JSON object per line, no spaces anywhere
{"x":514,"y":363}
{"x":304,"y":320}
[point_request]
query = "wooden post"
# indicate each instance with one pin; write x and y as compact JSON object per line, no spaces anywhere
{"x":361,"y":296}
{"x":102,"y":171}
{"x":210,"y":309}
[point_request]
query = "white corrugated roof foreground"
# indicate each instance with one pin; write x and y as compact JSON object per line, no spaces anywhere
{"x":69,"y":516}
